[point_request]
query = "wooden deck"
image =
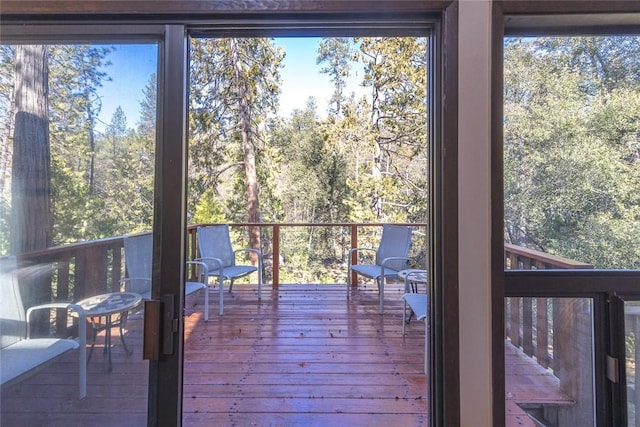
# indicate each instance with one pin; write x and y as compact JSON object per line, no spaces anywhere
{"x":304,"y":356}
{"x":527,"y":384}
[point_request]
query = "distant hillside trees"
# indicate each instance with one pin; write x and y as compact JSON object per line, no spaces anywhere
{"x":364,"y":159}
{"x":572,"y":147}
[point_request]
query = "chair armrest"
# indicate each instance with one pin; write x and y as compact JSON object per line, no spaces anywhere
{"x":204,"y":269}
{"x":255,"y":251}
{"x":69,"y":306}
{"x":393,"y":258}
{"x":351,"y":251}
{"x":217,"y":262}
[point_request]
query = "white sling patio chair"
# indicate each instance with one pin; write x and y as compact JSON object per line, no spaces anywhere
{"x":138,"y":251}
{"x":22,"y":355}
{"x":390,"y":257}
{"x":214,"y":244}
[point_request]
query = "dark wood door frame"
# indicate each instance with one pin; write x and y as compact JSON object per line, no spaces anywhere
{"x":179,"y":15}
{"x":545,"y":17}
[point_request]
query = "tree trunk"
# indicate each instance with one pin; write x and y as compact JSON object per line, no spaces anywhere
{"x":31,"y":223}
{"x":6,"y":152}
{"x":251,"y":177}
{"x":31,"y":175}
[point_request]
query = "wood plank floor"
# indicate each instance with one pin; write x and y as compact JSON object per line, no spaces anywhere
{"x":528,"y":384}
{"x":303,"y":356}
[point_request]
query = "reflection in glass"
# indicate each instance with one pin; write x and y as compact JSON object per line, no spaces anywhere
{"x":549,"y":361}
{"x":632,"y":347}
{"x":77,"y":144}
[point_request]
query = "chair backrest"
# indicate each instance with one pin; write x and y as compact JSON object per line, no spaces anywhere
{"x":395,"y":242}
{"x":13,"y":327}
{"x":138,"y":252}
{"x":214,"y":241}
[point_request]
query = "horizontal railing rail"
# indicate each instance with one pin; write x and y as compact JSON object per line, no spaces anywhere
{"x":82,"y":269}
{"x":521,"y":258}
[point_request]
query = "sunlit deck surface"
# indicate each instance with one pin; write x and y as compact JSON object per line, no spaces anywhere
{"x":303,"y":356}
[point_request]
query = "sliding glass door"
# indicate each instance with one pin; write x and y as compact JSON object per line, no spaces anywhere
{"x":78,"y":149}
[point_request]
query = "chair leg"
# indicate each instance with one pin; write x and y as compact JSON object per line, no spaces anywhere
{"x":82,"y":357}
{"x":404,"y":316}
{"x":348,"y":281}
{"x":381,"y":291}
{"x":221,"y":291}
{"x":206,"y":302}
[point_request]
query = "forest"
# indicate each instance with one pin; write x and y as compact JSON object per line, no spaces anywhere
{"x":571,"y":141}
{"x":363,"y":160}
{"x":572,"y":147}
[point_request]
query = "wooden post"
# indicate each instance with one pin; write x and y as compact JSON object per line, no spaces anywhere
{"x":116,"y":267}
{"x":62,"y":294}
{"x":573,"y":359}
{"x":514,"y":319}
{"x":527,"y":326}
{"x":276,"y":256}
{"x":90,"y":272}
{"x":542,"y":332}
{"x":354,"y":256}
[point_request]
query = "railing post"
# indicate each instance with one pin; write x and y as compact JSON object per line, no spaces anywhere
{"x":542,"y":332}
{"x":527,"y":326}
{"x":192,"y":251}
{"x":90,"y":272}
{"x":354,"y":255}
{"x":276,"y":257}
{"x":514,"y":319}
{"x":116,"y":266}
{"x":62,"y":294}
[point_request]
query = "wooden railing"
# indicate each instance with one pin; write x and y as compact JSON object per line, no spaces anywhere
{"x":529,"y":321}
{"x":87,"y":268}
{"x":520,"y":258}
{"x":271,"y":237}
{"x":83,"y":269}
{"x":555,"y":332}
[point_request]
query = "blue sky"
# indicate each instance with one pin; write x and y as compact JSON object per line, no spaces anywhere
{"x":133,"y":64}
{"x":130,"y":69}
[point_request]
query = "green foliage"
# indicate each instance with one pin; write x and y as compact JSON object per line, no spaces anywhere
{"x":225,"y":74}
{"x":338,"y":53}
{"x":363,"y":160}
{"x":571,"y":148}
{"x":209,"y":210}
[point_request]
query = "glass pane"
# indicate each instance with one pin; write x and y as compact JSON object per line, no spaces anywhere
{"x":307,"y":137}
{"x":571,"y":152}
{"x":632,"y":346}
{"x":549,"y":362}
{"x":77,"y":142}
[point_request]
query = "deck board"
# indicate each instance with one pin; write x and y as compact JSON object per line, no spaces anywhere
{"x":315,"y":359}
{"x":303,"y":356}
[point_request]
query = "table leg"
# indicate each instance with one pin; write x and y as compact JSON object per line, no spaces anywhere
{"x":94,"y":333}
{"x":107,"y":341}
{"x":123,"y":318}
